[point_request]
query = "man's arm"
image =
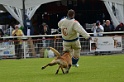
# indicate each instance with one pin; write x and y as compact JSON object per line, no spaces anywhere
{"x":14,"y":32}
{"x":79,"y":29}
{"x":21,"y":33}
{"x":60,"y":23}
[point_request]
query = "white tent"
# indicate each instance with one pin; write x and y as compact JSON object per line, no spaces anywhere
{"x":116,"y":10}
{"x":28,"y":3}
{"x":16,"y":7}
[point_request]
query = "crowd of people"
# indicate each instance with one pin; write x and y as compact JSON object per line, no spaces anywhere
{"x":18,"y":30}
{"x":44,"y":29}
{"x":98,"y":28}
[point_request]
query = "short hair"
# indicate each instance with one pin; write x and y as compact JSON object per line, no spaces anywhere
{"x":107,"y":20}
{"x":16,"y":26}
{"x":97,"y":23}
{"x":71,"y":13}
{"x":44,"y":24}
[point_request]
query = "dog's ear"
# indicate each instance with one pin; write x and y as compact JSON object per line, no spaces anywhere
{"x":55,"y":51}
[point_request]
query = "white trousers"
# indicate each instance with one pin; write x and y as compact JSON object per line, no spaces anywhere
{"x":74,"y":48}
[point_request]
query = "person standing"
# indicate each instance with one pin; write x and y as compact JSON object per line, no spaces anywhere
{"x":108,"y":27}
{"x":93,"y":29}
{"x":45,"y":30}
{"x":120,"y":27}
{"x":18,"y":42}
{"x":99,"y":29}
{"x":70,"y":30}
{"x":1,"y":35}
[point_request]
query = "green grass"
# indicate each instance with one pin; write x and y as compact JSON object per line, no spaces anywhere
{"x":107,"y":68}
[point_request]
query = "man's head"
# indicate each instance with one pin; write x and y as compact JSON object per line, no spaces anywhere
{"x":97,"y":23}
{"x":44,"y":24}
{"x":16,"y":26}
{"x":71,"y":13}
{"x":107,"y":22}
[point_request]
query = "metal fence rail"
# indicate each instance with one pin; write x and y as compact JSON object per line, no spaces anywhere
{"x":36,"y":46}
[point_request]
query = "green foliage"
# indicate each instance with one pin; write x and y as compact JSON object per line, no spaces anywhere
{"x":21,"y":28}
{"x":107,"y":68}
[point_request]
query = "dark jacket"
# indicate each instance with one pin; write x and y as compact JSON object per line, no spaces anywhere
{"x":120,"y":27}
{"x":42,"y":32}
{"x":1,"y":34}
{"x":109,"y":28}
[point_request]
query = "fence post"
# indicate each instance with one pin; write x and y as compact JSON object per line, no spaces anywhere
{"x":24,"y":49}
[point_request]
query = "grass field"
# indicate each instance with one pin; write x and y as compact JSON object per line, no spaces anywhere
{"x":107,"y":68}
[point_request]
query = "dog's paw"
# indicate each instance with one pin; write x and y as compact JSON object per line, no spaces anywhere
{"x":66,"y":72}
{"x":43,"y":68}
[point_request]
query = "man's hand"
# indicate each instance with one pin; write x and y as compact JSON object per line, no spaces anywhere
{"x":89,"y":38}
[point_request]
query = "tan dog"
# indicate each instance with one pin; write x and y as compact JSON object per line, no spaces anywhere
{"x":115,"y":42}
{"x":64,"y":61}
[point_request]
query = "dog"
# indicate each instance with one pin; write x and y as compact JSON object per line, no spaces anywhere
{"x":64,"y":61}
{"x":115,"y":42}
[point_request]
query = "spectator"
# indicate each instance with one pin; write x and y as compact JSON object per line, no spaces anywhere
{"x":120,"y":27}
{"x":93,"y":29}
{"x":1,"y":35}
{"x":108,"y":27}
{"x":45,"y":30}
{"x":9,"y":31}
{"x":99,"y":29}
{"x":18,"y":42}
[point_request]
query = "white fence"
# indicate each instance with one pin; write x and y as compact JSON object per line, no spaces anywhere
{"x":36,"y":46}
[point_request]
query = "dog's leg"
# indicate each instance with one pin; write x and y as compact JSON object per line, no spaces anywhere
{"x":50,"y":64}
{"x":44,"y":66}
{"x":62,"y":70}
{"x":67,"y":70}
{"x":58,"y":70}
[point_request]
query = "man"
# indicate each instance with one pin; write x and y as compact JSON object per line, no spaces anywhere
{"x":120,"y":27}
{"x":93,"y":29}
{"x":70,"y":29}
{"x":1,"y":35}
{"x":108,"y":27}
{"x":18,"y":42}
{"x":99,"y":28}
{"x":45,"y":30}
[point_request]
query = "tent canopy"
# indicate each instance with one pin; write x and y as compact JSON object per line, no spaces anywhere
{"x":115,"y":1}
{"x":114,"y":7}
{"x":15,"y":7}
{"x":28,"y":3}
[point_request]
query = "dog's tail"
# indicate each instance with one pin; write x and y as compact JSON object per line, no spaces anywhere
{"x":55,"y":51}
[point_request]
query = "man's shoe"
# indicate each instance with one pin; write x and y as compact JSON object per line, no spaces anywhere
{"x":75,"y":65}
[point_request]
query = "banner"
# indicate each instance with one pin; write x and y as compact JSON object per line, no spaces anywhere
{"x":7,"y":50}
{"x":113,"y":43}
